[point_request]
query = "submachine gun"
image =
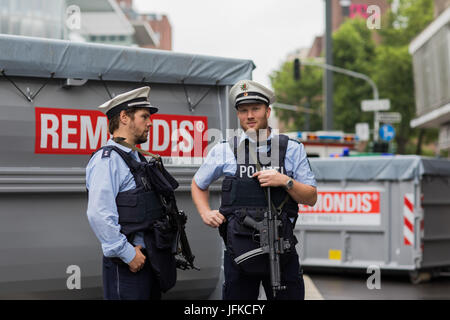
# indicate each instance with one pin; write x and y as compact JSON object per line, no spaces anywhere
{"x":270,"y":242}
{"x":269,"y":239}
{"x":162,"y":181}
{"x":180,"y":247}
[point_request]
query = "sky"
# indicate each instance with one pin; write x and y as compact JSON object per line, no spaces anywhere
{"x":264,"y":31}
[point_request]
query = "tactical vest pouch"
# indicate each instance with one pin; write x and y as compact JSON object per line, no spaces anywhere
{"x":240,"y":192}
{"x":158,"y":241}
{"x":227,"y":194}
{"x":164,"y":234}
{"x":249,"y":193}
{"x":138,"y":207}
{"x":129,"y":209}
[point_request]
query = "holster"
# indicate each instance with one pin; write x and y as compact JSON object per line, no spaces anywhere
{"x":241,"y":239}
{"x":158,"y":241}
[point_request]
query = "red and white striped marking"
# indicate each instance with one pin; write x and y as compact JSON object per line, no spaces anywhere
{"x":408,"y":219}
{"x":422,"y":223}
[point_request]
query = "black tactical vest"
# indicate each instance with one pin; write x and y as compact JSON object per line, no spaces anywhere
{"x":242,"y":191}
{"x":242,"y":195}
{"x":141,"y":210}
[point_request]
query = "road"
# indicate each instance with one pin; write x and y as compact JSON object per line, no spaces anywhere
{"x":392,"y":287}
{"x":353,"y":286}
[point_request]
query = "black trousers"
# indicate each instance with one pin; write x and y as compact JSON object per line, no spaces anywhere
{"x":119,"y":283}
{"x":240,"y":286}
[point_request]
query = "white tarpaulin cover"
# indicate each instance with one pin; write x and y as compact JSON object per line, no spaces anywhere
{"x":38,"y":57}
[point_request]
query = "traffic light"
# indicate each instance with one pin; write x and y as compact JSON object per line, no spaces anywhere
{"x":297,"y":67}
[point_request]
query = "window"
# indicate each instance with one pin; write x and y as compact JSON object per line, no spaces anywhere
{"x":4,"y":24}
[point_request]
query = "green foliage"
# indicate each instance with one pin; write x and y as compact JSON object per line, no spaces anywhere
{"x":304,"y":92}
{"x":411,"y":17}
{"x":394,"y":73}
{"x":389,"y":64}
{"x":353,"y":49}
{"x":396,"y":83}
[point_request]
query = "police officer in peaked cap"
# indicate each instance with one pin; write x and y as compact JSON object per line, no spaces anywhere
{"x":291,"y":182}
{"x":118,"y":201}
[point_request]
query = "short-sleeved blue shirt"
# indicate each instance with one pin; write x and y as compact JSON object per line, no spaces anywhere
{"x":221,"y":161}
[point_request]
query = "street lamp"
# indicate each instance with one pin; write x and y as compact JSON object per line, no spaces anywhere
{"x":347,"y":72}
{"x":355,"y":75}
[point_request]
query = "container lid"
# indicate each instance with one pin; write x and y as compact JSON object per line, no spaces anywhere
{"x":407,"y":167}
{"x":39,"y":57}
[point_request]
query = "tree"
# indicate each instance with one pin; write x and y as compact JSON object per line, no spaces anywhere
{"x":305,"y":92}
{"x":395,"y":83}
{"x":389,"y":64}
{"x":353,"y":49}
{"x":393,"y":67}
{"x":403,"y":24}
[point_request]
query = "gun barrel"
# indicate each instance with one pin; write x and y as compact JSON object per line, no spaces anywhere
{"x":274,"y":252}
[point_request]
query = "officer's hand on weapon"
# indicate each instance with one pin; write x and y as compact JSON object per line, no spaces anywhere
{"x":213,"y":218}
{"x":271,"y":178}
{"x":139,"y":259}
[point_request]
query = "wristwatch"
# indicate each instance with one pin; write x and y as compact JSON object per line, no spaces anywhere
{"x":289,"y":184}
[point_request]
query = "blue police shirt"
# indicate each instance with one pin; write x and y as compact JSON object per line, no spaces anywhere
{"x":105,"y":178}
{"x":221,"y":161}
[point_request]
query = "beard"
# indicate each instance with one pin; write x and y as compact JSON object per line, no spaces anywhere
{"x":259,"y":130}
{"x":141,"y":139}
{"x":138,"y":137}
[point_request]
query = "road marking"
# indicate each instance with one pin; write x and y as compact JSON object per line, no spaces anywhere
{"x":311,"y":291}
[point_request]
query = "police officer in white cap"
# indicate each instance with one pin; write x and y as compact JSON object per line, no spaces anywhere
{"x":291,"y":182}
{"x":117,"y":203}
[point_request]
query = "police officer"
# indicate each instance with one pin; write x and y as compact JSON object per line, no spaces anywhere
{"x":289,"y":177}
{"x":122,"y":210}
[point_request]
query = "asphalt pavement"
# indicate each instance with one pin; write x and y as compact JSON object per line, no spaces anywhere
{"x":392,"y":287}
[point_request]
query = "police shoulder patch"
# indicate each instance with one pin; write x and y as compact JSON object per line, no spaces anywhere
{"x":106,"y":153}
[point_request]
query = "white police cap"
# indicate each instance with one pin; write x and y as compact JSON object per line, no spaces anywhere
{"x":131,"y":99}
{"x":248,"y":91}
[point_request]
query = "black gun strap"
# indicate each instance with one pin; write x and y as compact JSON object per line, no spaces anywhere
{"x":122,"y":142}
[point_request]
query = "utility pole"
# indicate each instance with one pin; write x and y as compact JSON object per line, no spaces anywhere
{"x":328,"y":79}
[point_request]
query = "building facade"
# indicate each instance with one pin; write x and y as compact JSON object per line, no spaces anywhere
{"x":101,"y":21}
{"x":347,"y":9}
{"x":151,"y":30}
{"x":162,"y":28}
{"x":431,"y":63}
{"x":34,"y":18}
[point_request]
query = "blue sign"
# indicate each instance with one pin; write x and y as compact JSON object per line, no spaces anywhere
{"x":387,"y":132}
